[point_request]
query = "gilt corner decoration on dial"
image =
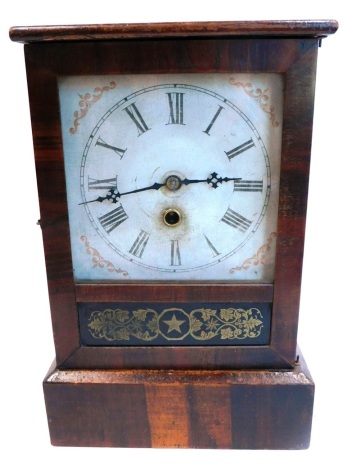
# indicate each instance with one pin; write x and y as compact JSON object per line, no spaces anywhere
{"x":172,"y":177}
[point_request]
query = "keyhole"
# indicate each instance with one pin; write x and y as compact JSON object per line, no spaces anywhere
{"x":172,"y":217}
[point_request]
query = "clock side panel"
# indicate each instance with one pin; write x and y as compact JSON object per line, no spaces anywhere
{"x":44,"y":106}
{"x":45,"y":63}
{"x":295,"y":166}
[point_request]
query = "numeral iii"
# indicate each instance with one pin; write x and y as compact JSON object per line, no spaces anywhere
{"x":248,"y":185}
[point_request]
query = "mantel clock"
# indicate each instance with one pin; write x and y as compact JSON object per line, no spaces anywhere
{"x":172,"y":164}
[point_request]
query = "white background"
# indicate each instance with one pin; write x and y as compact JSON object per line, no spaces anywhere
{"x":327,"y":315}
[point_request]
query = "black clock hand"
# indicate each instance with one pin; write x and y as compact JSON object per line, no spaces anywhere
{"x":214,"y":180}
{"x":114,"y":195}
{"x":173,"y":183}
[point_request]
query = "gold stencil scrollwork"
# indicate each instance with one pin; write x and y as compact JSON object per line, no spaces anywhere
{"x":229,"y":323}
{"x":175,"y":324}
{"x":259,"y":95}
{"x":260,"y":257}
{"x":86,"y":101}
{"x":114,"y":325}
{"x":99,"y":261}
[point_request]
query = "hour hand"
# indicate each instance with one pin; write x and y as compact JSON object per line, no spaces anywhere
{"x":112,"y":195}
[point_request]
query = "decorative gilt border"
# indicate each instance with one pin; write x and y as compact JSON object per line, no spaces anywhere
{"x":86,"y":101}
{"x":99,"y":261}
{"x":175,"y":324}
{"x":259,"y":95}
{"x":260,"y":257}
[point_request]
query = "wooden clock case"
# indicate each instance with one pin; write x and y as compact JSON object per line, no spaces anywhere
{"x":199,"y":397}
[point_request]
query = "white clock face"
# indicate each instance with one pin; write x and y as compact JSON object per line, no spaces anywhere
{"x":172,"y":177}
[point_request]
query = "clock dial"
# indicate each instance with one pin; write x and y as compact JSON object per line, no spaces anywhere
{"x":176,"y":180}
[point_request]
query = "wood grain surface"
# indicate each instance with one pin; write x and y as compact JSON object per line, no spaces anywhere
{"x":283,"y":28}
{"x":295,"y":58}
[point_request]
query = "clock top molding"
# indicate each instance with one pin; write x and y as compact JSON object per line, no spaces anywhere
{"x":90,"y":32}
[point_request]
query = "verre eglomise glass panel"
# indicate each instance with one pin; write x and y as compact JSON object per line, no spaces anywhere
{"x":172,"y":177}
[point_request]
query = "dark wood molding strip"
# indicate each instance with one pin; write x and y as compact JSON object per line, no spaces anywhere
{"x":175,"y":293}
{"x":89,"y":32}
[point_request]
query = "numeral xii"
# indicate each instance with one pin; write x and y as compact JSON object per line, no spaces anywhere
{"x":176,"y":103}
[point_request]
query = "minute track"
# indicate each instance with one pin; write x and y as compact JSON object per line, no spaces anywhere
{"x":167,"y":183}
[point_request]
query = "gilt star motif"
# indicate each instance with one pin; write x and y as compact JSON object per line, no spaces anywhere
{"x":173,"y":324}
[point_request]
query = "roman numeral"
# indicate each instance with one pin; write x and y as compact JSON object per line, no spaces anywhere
{"x":175,"y":253}
{"x":136,"y":117}
{"x":240,"y":149}
{"x":236,"y":220}
{"x":117,"y":150}
{"x":248,"y":185}
{"x":140,"y":244}
{"x":175,"y":101}
{"x":207,"y":130}
{"x":211,"y":246}
{"x":113,"y":219}
{"x":101,"y":184}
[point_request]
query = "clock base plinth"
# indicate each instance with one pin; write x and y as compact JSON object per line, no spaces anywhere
{"x":245,"y":409}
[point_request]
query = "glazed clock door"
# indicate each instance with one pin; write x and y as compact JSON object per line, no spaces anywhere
{"x":172,"y":177}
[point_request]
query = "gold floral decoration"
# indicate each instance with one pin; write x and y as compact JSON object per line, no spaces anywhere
{"x":260,"y":257}
{"x":261,"y":96}
{"x":99,"y":261}
{"x":174,"y":324}
{"x":86,"y":101}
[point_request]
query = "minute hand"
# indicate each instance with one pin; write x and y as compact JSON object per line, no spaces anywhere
{"x":214,"y":180}
{"x":114,"y":195}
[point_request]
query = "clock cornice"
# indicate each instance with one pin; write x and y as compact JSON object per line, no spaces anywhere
{"x":90,"y":32}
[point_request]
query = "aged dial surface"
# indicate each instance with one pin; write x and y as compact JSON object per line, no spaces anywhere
{"x":172,"y":180}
